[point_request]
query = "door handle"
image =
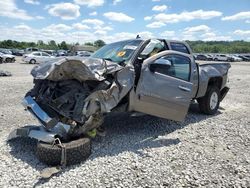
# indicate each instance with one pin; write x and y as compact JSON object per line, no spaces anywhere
{"x":184,"y":88}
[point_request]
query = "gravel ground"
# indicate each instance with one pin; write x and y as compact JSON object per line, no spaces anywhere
{"x":203,"y":151}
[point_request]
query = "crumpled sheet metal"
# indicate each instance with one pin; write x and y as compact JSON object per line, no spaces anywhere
{"x":106,"y":100}
{"x":209,"y":70}
{"x":215,"y":69}
{"x":81,"y":69}
{"x":33,"y":131}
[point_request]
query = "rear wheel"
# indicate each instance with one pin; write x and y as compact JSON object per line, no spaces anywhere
{"x":32,"y":61}
{"x":209,"y":104}
{"x":76,"y":152}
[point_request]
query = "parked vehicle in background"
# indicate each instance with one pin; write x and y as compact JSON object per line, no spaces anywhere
{"x":245,"y":57}
{"x":5,"y":51}
{"x":7,"y":58}
{"x":61,"y":53}
{"x":29,"y":50}
{"x":222,"y":57}
{"x":83,"y":53}
{"x":201,"y":57}
{"x":210,"y":57}
{"x":37,"y":57}
{"x":50,"y":52}
{"x":235,"y":58}
{"x":17,"y":52}
{"x":248,"y":56}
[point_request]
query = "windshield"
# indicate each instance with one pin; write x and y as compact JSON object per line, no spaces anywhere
{"x":119,"y":52}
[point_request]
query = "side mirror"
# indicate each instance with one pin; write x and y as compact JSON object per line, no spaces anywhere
{"x":160,"y":63}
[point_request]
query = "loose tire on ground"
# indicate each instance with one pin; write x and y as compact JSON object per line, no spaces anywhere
{"x":76,"y":152}
{"x":205,"y":102}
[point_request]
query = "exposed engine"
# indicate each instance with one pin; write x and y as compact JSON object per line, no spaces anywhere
{"x":65,"y":100}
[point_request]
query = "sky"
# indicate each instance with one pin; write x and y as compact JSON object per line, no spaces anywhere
{"x":112,"y":20}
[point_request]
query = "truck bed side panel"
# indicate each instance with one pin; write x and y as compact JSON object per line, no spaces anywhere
{"x":211,"y":70}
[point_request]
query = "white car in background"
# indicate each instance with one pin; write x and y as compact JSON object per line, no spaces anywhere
{"x":7,"y":58}
{"x":222,"y":57}
{"x":236,"y":58}
{"x":83,"y":53}
{"x":37,"y":57}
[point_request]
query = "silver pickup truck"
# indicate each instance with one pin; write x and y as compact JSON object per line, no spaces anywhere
{"x":72,"y":95}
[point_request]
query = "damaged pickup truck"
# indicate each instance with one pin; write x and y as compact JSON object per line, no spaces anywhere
{"x":71,"y":96}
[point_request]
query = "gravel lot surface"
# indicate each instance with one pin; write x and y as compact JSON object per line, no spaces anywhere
{"x":203,"y":151}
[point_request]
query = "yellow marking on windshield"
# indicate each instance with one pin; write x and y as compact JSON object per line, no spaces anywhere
{"x":121,"y":53}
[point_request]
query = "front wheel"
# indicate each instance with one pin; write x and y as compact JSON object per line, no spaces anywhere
{"x":32,"y":61}
{"x":8,"y":60}
{"x":209,"y":104}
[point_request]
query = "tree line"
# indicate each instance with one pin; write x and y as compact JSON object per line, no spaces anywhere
{"x":51,"y":45}
{"x":197,"y":46}
{"x":220,"y":46}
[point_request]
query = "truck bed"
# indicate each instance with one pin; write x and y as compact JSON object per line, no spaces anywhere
{"x":212,"y":63}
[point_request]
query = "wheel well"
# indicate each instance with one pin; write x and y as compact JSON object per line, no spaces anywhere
{"x":217,"y":81}
{"x":32,"y":60}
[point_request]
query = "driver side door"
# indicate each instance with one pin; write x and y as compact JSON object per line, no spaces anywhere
{"x":164,"y":88}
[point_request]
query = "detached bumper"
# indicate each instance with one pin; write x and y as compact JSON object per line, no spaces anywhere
{"x":49,"y":129}
{"x":36,"y":132}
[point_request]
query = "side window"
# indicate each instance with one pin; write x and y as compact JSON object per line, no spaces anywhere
{"x":179,"y":47}
{"x":45,"y":54}
{"x":180,"y":67}
{"x":36,"y":54}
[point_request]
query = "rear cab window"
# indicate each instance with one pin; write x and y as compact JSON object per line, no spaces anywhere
{"x":180,"y":47}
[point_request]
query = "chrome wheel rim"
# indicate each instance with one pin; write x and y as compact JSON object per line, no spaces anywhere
{"x":213,"y":100}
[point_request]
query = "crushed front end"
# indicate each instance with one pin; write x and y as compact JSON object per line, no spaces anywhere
{"x":71,"y":96}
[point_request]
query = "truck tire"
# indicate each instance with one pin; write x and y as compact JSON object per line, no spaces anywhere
{"x":76,"y":152}
{"x":209,"y":104}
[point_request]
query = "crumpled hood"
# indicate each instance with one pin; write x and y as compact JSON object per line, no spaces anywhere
{"x":83,"y":69}
{"x":78,"y":68}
